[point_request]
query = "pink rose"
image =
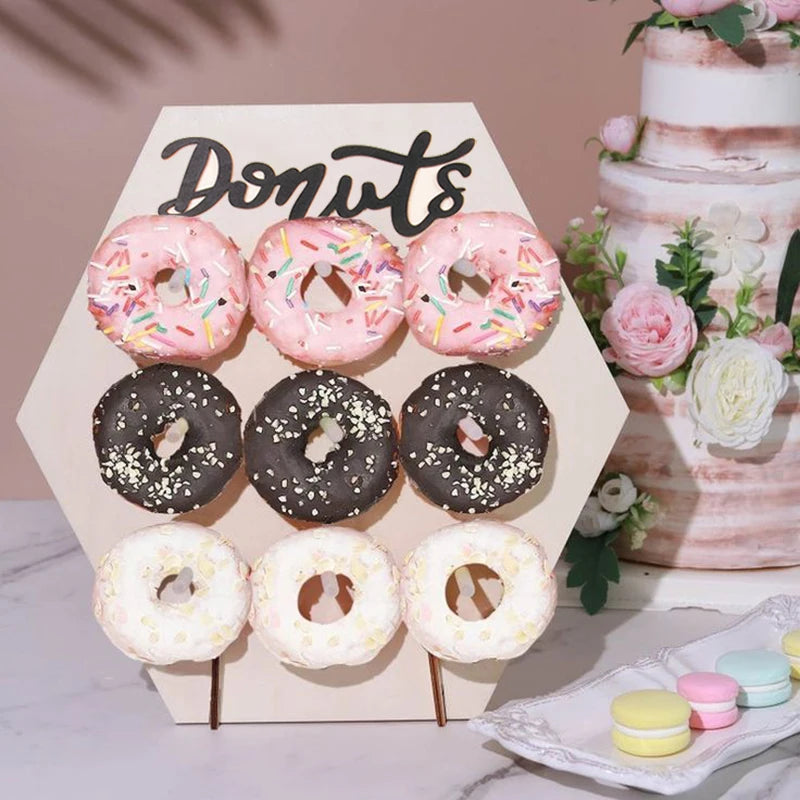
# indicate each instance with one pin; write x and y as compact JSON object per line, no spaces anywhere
{"x":776,"y":339}
{"x":650,"y":331}
{"x":785,"y":10}
{"x":619,"y":134}
{"x":694,"y":8}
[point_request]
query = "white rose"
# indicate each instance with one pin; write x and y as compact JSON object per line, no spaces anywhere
{"x":593,"y":520}
{"x":733,"y":388}
{"x":762,"y":18}
{"x":617,"y":495}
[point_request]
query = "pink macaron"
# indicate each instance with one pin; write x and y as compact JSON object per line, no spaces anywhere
{"x":712,"y":697}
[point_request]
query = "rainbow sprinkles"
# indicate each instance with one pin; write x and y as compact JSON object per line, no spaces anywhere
{"x":508,"y":251}
{"x":286,"y":255}
{"x":200,"y":311}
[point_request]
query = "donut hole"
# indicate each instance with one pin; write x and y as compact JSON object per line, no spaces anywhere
{"x":324,"y":288}
{"x":170,"y":439}
{"x":466,"y":282}
{"x":177,"y":588}
{"x":171,"y":288}
{"x":323,"y":440}
{"x":325,"y":598}
{"x":473,"y":592}
{"x":471,"y":437}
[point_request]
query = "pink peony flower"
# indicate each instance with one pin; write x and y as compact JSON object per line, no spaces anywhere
{"x":785,"y":10}
{"x":776,"y":339}
{"x":650,"y":332}
{"x":619,"y":134}
{"x":694,"y":8}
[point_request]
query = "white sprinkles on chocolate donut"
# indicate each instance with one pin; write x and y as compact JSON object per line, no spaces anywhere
{"x":511,"y":414}
{"x":141,"y":406}
{"x":356,"y":472}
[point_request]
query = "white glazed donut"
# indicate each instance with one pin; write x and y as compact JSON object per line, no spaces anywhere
{"x":526,"y":608}
{"x":148,"y":628}
{"x":355,"y":638}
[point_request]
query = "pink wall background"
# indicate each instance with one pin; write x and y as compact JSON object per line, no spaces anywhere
{"x":81,"y":82}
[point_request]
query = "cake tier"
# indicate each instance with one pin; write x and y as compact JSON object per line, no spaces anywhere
{"x":646,"y":203}
{"x":721,"y":509}
{"x":710,"y":106}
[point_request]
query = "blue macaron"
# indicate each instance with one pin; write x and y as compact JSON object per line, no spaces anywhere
{"x":762,"y":675}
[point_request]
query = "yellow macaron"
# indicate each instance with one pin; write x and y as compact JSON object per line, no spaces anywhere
{"x":650,"y":722}
{"x":791,"y":647}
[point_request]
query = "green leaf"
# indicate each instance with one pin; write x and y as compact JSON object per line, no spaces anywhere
{"x":580,"y":548}
{"x":705,"y":313}
{"x":666,"y":277}
{"x":793,"y":32}
{"x":608,"y":564}
{"x":725,"y":24}
{"x":638,"y":28}
{"x":665,"y":19}
{"x":791,"y":363}
{"x":746,"y":322}
{"x":594,"y":563}
{"x":594,"y":594}
{"x":789,"y":280}
{"x":676,"y":381}
{"x":700,"y":290}
{"x":579,"y":573}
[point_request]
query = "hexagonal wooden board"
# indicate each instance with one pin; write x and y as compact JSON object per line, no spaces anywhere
{"x":563,"y":365}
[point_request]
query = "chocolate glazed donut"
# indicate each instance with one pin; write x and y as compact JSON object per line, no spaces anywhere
{"x":139,"y":408}
{"x":356,"y":473}
{"x":509,"y":413}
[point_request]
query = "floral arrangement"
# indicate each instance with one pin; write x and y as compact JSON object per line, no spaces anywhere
{"x":615,"y":507}
{"x":733,"y":379}
{"x":732,"y":21}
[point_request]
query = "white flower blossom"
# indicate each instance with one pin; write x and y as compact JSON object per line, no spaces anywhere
{"x":762,"y":18}
{"x":576,"y":222}
{"x":599,"y":212}
{"x":617,"y":495}
{"x":594,"y":520}
{"x":728,"y":239}
{"x":733,"y":388}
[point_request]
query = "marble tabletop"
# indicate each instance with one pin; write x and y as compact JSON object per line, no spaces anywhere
{"x":78,"y":719}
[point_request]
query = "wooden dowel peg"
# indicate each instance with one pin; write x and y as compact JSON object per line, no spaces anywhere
{"x":213,"y":706}
{"x":437,"y":687}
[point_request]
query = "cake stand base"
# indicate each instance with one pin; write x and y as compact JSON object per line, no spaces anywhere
{"x":643,"y":587}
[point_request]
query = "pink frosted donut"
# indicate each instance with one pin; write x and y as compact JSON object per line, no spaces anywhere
{"x":508,"y":251}
{"x":366,"y":261}
{"x":196,"y":320}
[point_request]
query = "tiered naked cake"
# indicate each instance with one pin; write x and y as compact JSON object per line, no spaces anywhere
{"x":723,"y":126}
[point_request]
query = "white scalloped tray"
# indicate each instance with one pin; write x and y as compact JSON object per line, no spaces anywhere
{"x":570,"y":730}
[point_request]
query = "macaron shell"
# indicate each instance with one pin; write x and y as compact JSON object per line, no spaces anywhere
{"x":754,"y":667}
{"x":791,"y":647}
{"x":650,"y":708}
{"x":650,"y":748}
{"x":707,"y":687}
{"x":764,"y":699}
{"x":705,"y":721}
